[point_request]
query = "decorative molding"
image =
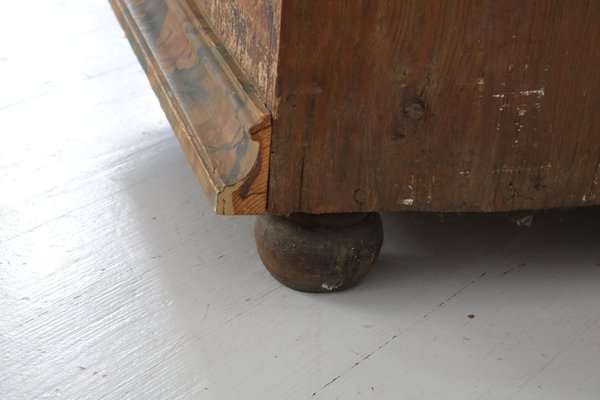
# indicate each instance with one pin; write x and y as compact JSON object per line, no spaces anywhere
{"x":221,"y":124}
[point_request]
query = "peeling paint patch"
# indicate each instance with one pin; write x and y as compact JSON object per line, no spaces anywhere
{"x":407,"y":202}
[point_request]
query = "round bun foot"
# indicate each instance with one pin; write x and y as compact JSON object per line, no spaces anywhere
{"x":319,"y":252}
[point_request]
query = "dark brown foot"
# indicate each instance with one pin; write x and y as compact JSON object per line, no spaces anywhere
{"x":319,"y":253}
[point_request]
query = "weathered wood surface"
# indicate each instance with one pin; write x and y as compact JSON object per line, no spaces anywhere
{"x":249,"y":29}
{"x":384,"y":105}
{"x":436,"y":105}
{"x":222,"y":126}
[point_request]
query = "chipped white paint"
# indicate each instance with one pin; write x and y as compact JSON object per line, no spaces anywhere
{"x":118,"y":282}
{"x":526,"y":220}
{"x":409,"y":201}
{"x":510,"y":169}
{"x":330,"y":286}
{"x":522,"y":112}
{"x":519,"y":126}
{"x":535,"y":92}
{"x":541,"y":92}
{"x":481,"y":81}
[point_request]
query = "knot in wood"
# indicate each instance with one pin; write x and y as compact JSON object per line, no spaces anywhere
{"x":414,"y":110}
{"x":360,"y":195}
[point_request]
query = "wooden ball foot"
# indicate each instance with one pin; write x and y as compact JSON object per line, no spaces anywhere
{"x":319,"y":253}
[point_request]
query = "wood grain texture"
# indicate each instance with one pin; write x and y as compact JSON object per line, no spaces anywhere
{"x":436,"y":105}
{"x":223,"y":128}
{"x":249,"y":29}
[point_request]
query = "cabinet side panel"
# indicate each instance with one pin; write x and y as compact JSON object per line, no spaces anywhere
{"x":437,"y":105}
{"x":249,"y":29}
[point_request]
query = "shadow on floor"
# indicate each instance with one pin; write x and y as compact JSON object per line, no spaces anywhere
{"x":450,"y":243}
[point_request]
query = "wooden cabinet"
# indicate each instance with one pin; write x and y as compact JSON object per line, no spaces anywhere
{"x":285,"y":106}
{"x":380,"y":104}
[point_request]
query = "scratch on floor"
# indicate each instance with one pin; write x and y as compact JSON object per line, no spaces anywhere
{"x":206,"y":312}
{"x":558,"y":354}
{"x":408,"y":329}
{"x":258,"y":301}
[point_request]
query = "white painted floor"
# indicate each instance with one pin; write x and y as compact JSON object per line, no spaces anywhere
{"x":118,"y":282}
